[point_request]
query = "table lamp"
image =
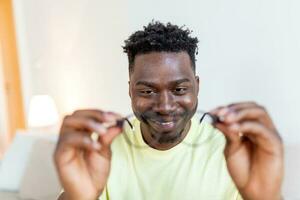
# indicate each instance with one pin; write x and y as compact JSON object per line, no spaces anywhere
{"x":43,"y":115}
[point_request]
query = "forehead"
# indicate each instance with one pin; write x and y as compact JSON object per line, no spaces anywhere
{"x":162,"y":66}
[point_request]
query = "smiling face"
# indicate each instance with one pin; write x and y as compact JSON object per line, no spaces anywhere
{"x":163,"y":90}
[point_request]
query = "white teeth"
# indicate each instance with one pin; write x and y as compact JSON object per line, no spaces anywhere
{"x":167,"y":123}
{"x":164,"y":123}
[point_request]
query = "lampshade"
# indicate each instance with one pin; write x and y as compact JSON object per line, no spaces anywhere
{"x":42,"y":111}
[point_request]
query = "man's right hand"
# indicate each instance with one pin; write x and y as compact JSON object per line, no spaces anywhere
{"x":83,"y":165}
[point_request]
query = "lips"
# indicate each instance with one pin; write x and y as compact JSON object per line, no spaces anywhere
{"x":163,"y":125}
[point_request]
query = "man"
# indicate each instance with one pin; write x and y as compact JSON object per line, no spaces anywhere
{"x":164,"y":93}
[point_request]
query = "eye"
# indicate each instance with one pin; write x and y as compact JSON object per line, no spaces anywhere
{"x":147,"y":92}
{"x":180,"y":90}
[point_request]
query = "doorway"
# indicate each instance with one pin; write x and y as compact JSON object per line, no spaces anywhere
{"x":3,"y":113}
{"x":11,"y":102}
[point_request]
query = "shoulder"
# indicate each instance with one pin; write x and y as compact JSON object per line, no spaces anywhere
{"x":206,"y":134}
{"x":128,"y":137}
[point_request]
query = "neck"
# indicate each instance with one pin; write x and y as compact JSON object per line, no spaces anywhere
{"x":155,"y":140}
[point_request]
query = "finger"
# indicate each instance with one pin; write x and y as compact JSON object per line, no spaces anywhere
{"x":233,"y":106}
{"x":232,"y":136}
{"x":223,"y":110}
{"x":244,"y":114}
{"x":241,"y":105}
{"x":243,"y":111}
{"x":97,"y":115}
{"x":69,"y":144}
{"x":260,"y":135}
{"x":107,"y":139}
{"x":111,"y":134}
{"x":215,"y":111}
{"x":78,"y":140}
{"x":256,"y":113}
{"x":82,"y":123}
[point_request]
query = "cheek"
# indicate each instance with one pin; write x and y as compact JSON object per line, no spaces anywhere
{"x":189,"y":102}
{"x":139,"y":105}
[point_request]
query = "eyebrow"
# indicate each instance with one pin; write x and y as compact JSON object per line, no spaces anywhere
{"x":151,"y":84}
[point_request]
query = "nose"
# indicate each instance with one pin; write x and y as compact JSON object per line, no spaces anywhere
{"x":165,"y":103}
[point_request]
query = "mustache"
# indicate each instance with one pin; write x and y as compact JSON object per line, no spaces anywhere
{"x":161,"y":118}
{"x":174,"y":115}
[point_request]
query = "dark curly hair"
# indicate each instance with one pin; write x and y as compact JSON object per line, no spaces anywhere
{"x":159,"y":37}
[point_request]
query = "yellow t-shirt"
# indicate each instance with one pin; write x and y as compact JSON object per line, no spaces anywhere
{"x":180,"y":173}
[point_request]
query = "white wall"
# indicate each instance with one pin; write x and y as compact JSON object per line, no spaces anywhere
{"x":249,"y":50}
{"x":71,"y":50}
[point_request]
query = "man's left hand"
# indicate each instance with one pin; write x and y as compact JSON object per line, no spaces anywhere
{"x":254,"y":150}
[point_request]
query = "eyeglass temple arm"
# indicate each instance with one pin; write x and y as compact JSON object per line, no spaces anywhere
{"x":215,"y":118}
{"x":120,"y":122}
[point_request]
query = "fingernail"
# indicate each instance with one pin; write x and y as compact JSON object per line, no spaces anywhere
{"x":109,"y":116}
{"x":221,"y":118}
{"x":96,"y":145}
{"x":223,"y":111}
{"x":109,"y":124}
{"x":214,"y":110}
{"x":231,"y":117}
{"x":234,"y":127}
{"x":100,"y":129}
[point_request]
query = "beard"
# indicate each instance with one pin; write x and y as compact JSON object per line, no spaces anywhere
{"x":181,"y":119}
{"x":167,"y":138}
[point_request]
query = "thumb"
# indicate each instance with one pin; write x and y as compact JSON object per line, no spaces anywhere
{"x":105,"y":140}
{"x":236,"y":154}
{"x":233,"y":138}
{"x":110,"y":135}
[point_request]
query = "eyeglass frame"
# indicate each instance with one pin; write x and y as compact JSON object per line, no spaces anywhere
{"x":120,"y":123}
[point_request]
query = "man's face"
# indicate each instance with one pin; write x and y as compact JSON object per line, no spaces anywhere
{"x":163,"y":90}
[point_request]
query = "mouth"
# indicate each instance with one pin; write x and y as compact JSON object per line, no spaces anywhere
{"x":163,"y":126}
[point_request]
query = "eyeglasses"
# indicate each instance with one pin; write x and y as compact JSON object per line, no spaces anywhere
{"x":206,"y":122}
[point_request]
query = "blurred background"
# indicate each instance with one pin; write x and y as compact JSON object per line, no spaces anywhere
{"x":71,"y":51}
{"x":58,"y":56}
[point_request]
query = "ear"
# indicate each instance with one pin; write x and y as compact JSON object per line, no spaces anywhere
{"x":129,"y":90}
{"x":197,"y":83}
